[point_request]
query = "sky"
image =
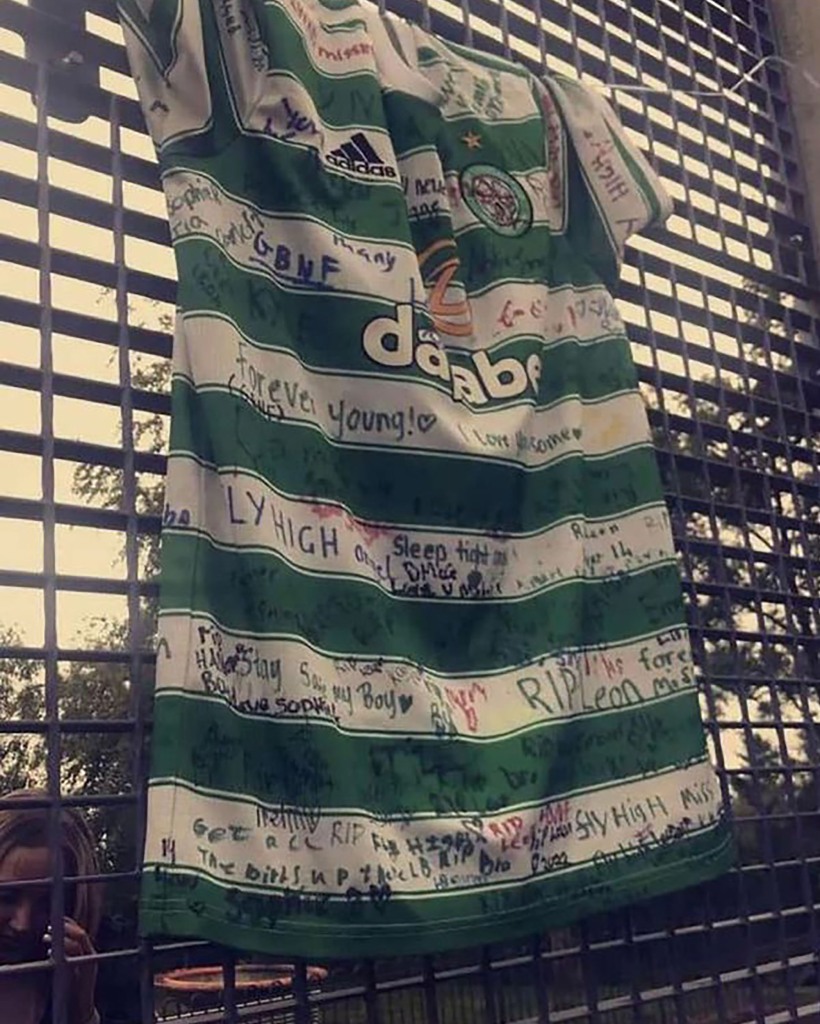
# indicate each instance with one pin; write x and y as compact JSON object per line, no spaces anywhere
{"x":98,"y":553}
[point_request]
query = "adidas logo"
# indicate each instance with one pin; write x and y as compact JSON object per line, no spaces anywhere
{"x":359,"y":156}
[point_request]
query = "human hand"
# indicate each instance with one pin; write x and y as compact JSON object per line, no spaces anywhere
{"x":83,"y":976}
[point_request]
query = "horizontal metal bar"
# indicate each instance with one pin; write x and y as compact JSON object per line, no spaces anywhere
{"x":75,"y":584}
{"x":77,"y":515}
{"x":30,"y":378}
{"x":65,"y":203}
{"x":16,"y":132}
{"x":90,"y":879}
{"x":87,"y":268}
{"x":71,"y":800}
{"x":805,"y":641}
{"x":68,"y":726}
{"x":779,"y":683}
{"x":88,"y":328}
{"x":775,"y":769}
{"x":80,"y":451}
{"x":106,"y":657}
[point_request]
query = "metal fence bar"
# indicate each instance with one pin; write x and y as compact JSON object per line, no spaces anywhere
{"x":59,"y":980}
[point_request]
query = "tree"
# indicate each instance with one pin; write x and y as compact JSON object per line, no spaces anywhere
{"x":92,"y":762}
{"x":22,"y":755}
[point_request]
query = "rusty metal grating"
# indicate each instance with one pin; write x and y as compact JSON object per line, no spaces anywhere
{"x":720,"y":310}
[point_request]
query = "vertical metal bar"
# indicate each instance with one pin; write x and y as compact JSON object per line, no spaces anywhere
{"x":504,"y":26}
{"x":425,"y":14}
{"x":129,"y":493}
{"x":588,"y":974}
{"x":371,"y":997}
{"x":229,"y":987}
{"x":468,"y":26}
{"x":540,"y":981}
{"x":714,"y":947}
{"x":430,"y":992}
{"x":146,"y":983}
{"x":300,"y":992}
{"x":541,"y":33}
{"x":636,"y":969}
{"x":488,"y":986}
{"x":59,"y":980}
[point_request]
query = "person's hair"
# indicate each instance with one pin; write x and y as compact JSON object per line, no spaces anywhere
{"x":29,"y":827}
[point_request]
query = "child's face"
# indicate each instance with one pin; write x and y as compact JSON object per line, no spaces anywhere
{"x":24,"y":910}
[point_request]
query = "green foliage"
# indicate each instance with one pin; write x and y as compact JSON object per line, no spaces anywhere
{"x":22,"y":755}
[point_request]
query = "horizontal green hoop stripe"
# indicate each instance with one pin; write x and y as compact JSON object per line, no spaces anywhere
{"x":252,"y":162}
{"x":230,"y":388}
{"x":296,"y":762}
{"x":374,"y":655}
{"x":407,"y":487}
{"x":192,"y":906}
{"x":259,"y":592}
{"x":304,"y":813}
{"x":260,"y":308}
{"x":226,"y":471}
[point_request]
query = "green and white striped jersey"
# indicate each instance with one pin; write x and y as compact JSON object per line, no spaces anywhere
{"x":424,"y":678}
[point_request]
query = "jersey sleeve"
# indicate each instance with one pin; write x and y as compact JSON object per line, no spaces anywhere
{"x":168,"y":55}
{"x":612,"y":193}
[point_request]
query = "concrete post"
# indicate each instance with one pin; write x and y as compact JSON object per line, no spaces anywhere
{"x":797,"y":24}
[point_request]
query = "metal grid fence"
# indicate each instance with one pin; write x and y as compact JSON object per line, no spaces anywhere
{"x":719,"y":306}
